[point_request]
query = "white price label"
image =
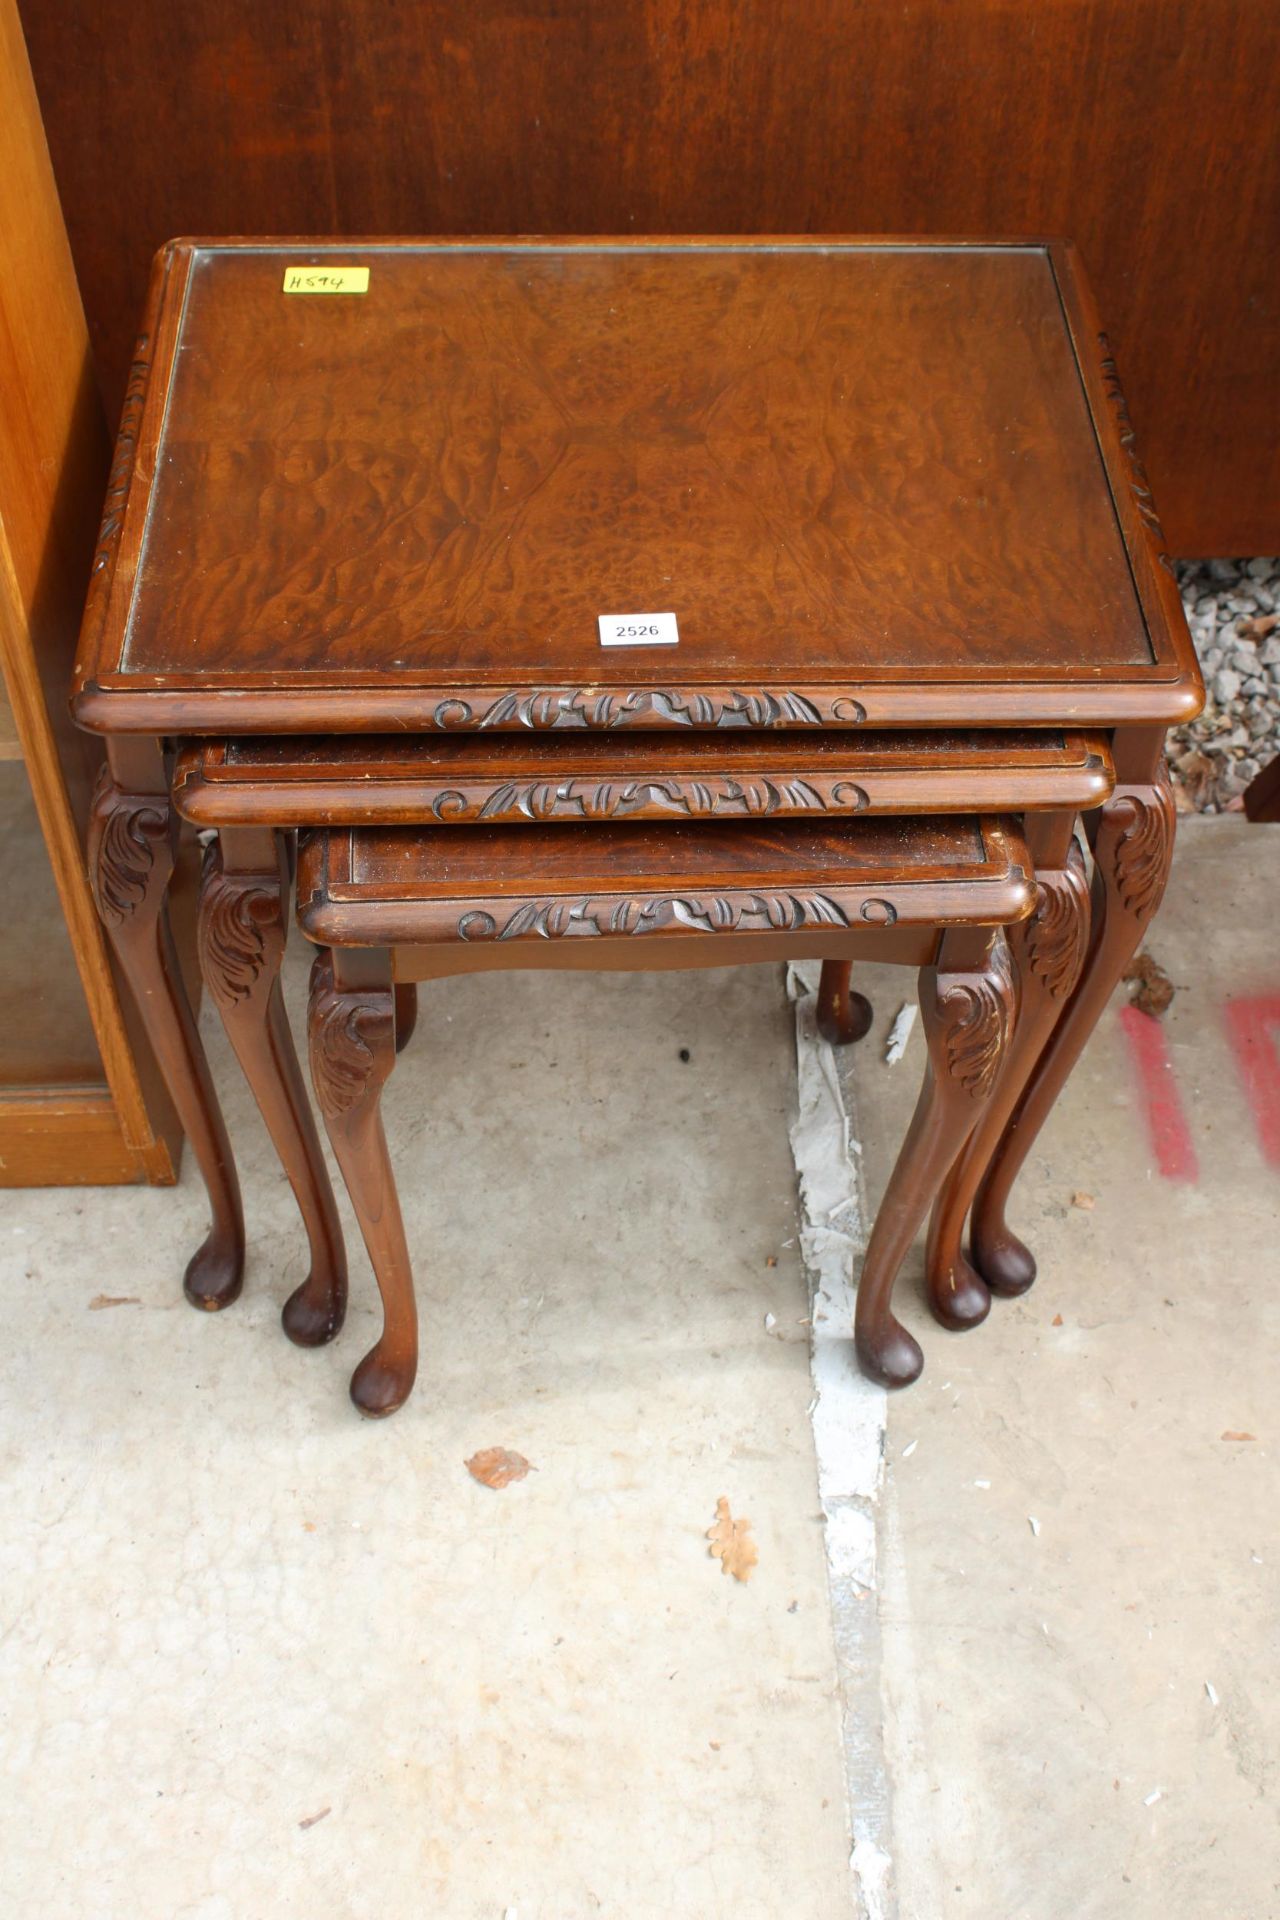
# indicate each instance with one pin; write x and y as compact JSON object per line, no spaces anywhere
{"x":639,"y":630}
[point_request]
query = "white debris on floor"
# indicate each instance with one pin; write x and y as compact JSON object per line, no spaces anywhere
{"x":900,"y":1033}
{"x":848,"y":1415}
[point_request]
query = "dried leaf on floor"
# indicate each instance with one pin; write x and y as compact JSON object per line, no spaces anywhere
{"x":101,"y":1300}
{"x":1231,"y":1434}
{"x":1153,"y":990}
{"x":1085,"y":1201}
{"x":731,"y":1543}
{"x":1057,"y":1320}
{"x":1258,"y":628}
{"x":1197,"y":776}
{"x":497,"y":1467}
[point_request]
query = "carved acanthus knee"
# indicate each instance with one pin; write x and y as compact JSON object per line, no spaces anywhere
{"x":968,"y":1025}
{"x":351,"y":1038}
{"x":242,"y":932}
{"x":1050,"y":945}
{"x":1133,"y":847}
{"x":130,"y":853}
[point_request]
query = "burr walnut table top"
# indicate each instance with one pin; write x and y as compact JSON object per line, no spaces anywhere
{"x":875,"y":482}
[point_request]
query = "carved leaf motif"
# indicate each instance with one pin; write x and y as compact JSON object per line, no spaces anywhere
{"x":122,"y":460}
{"x":977,"y":1013}
{"x":1144,"y":848}
{"x":500,"y":712}
{"x":817,"y":907}
{"x":350,"y":1039}
{"x":543,"y":800}
{"x":1139,"y":485}
{"x":715,"y":913}
{"x":566,"y":707}
{"x":128,"y":833}
{"x":501,"y":800}
{"x":524,"y":920}
{"x":240,"y":923}
{"x":1056,"y":934}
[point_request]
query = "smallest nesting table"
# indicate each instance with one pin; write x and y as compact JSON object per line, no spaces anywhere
{"x":395,"y":905}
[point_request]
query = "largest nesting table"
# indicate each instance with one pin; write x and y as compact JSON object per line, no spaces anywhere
{"x":810,"y":493}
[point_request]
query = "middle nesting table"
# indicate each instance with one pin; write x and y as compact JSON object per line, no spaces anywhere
{"x":763,"y":835}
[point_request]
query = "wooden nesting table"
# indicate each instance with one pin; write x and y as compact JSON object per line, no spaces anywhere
{"x":871,"y":511}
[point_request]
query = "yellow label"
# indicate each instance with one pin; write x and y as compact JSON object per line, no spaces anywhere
{"x":326,"y":280}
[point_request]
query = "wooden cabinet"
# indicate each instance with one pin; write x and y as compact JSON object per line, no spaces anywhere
{"x":80,"y":1100}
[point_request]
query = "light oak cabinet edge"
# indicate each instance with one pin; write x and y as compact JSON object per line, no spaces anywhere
{"x":118,"y":1125}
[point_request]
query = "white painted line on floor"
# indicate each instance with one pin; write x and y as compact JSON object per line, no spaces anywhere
{"x":848,"y":1415}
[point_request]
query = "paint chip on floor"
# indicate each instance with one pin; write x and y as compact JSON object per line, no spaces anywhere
{"x":497,"y":1467}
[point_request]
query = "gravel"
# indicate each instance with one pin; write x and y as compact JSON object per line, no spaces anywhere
{"x":1233,"y":610}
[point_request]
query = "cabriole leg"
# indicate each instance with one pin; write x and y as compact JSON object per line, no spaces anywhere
{"x":131,"y":855}
{"x":967,"y":1001}
{"x":406,"y":993}
{"x":1047,"y":951}
{"x":243,"y":928}
{"x":843,"y":1016}
{"x":1132,"y":851}
{"x":352,"y":1034}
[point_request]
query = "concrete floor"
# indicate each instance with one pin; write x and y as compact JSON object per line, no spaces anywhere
{"x":260,"y":1659}
{"x":1085,"y":1720}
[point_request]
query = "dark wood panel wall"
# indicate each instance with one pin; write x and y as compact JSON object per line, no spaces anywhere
{"x":1142,"y":128}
